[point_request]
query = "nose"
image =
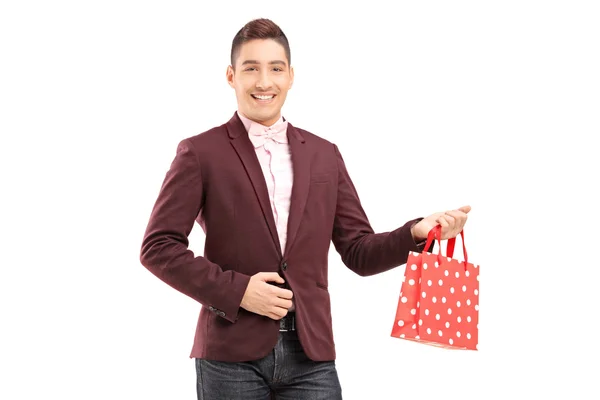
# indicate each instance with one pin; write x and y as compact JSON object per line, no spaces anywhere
{"x":264,"y":81}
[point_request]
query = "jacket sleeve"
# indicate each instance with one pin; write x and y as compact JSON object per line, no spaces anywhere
{"x":164,"y":250}
{"x":363,"y":251}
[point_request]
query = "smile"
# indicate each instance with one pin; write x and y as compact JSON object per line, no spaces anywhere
{"x":261,"y":97}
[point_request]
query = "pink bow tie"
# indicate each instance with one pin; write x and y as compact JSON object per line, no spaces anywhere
{"x":259,"y":134}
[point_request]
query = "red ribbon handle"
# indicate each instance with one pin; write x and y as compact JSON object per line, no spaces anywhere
{"x":436,"y":233}
{"x":451,"y":244}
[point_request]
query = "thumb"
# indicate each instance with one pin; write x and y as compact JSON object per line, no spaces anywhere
{"x":271,"y":277}
{"x":465,"y":209}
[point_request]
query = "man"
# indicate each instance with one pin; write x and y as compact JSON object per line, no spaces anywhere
{"x":270,"y":198}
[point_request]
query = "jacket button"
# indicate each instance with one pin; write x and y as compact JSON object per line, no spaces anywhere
{"x":284,"y":266}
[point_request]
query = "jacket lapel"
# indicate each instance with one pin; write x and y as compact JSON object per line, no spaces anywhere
{"x":301,"y":168}
{"x":245,"y":150}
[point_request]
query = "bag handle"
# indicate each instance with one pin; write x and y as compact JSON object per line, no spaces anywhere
{"x":451,"y":244}
{"x":436,"y":233}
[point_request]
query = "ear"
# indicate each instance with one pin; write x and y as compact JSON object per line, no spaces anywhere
{"x":230,"y":75}
{"x":291,"y":76}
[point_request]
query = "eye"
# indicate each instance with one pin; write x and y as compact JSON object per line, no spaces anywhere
{"x":250,"y":69}
{"x":277,"y":69}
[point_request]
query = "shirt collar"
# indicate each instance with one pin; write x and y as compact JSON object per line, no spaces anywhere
{"x":248,"y":122}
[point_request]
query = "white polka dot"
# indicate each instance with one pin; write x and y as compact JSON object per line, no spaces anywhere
{"x":477,"y":346}
{"x":429,"y":330}
{"x":411,"y":282}
{"x":443,"y":299}
{"x":468,"y":318}
{"x":434,"y":299}
{"x":415,"y":254}
{"x":457,"y":334}
{"x":420,"y":322}
{"x":404,"y":299}
{"x":440,"y":282}
{"x":449,"y":311}
{"x":467,"y":273}
{"x":413,"y":311}
{"x":464,"y":288}
{"x":402,"y":335}
{"x":449,"y":259}
{"x":404,"y":279}
{"x":468,"y":336}
{"x":476,"y":292}
{"x":458,"y":304}
{"x":400,"y":323}
{"x":451,"y":341}
{"x":475,"y":266}
{"x":476,"y":307}
{"x":413,"y":267}
{"x":440,"y":332}
{"x":414,"y":326}
{"x":417,"y":337}
{"x":447,"y":324}
{"x":436,"y":264}
{"x":423,"y":295}
{"x":457,"y":274}
{"x":477,"y":278}
{"x":418,"y":304}
{"x":437,"y":316}
{"x":458,"y":319}
{"x":429,"y":283}
{"x":427,"y":311}
{"x":419,"y":280}
{"x":424,"y":266}
{"x":446,"y":273}
{"x":468,"y":302}
{"x":451,"y":290}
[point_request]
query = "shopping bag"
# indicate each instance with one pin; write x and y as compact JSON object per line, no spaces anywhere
{"x":439,"y":298}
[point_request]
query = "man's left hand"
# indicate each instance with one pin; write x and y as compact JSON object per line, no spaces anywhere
{"x":452,"y":223}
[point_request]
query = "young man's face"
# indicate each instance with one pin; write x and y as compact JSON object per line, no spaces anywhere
{"x":261,"y":79}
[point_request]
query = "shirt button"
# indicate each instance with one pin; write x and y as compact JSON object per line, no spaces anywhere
{"x":284,"y":266}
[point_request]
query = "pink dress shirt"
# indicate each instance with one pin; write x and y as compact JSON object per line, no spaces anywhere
{"x":276,"y":163}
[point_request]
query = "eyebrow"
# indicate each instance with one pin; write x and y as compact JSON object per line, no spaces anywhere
{"x":274,"y":62}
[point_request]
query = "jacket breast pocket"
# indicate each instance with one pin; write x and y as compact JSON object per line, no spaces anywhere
{"x":320,"y":178}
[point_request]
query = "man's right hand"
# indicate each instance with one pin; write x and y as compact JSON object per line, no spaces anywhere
{"x":266,"y":299}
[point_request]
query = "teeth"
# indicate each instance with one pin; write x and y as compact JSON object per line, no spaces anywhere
{"x":263,"y":97}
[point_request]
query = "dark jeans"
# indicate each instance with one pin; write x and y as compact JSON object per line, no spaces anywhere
{"x":285,"y":373}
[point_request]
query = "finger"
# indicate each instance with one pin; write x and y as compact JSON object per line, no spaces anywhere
{"x":271,"y":277}
{"x":460,"y":218}
{"x":283,"y":303}
{"x":450,"y":219}
{"x":283,"y":293}
{"x":437,"y":216}
{"x":456,"y":213}
{"x":274,"y":316}
{"x":443,"y":222}
{"x":465,"y":209}
{"x":277,"y":313}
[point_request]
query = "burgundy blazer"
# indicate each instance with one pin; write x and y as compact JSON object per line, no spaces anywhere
{"x":217,"y":173}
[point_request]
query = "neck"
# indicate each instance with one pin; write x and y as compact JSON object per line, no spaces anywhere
{"x":268,"y":123}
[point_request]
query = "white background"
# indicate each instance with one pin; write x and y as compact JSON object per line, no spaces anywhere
{"x":433,"y":104}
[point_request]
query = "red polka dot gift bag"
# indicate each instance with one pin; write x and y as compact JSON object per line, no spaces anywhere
{"x":439,"y":298}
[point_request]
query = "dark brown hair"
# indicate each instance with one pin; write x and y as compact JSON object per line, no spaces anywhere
{"x":261,"y":28}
